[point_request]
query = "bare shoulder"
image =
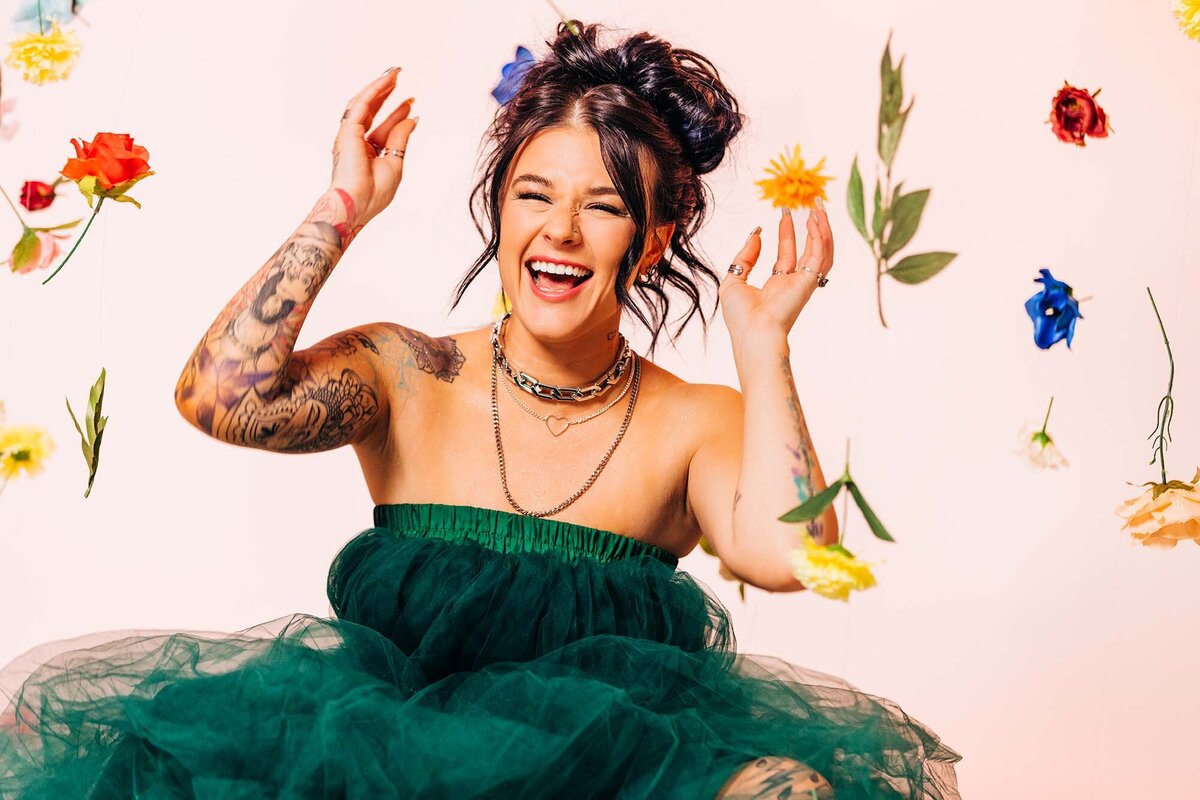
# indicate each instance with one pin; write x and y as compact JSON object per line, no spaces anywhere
{"x":407,"y":348}
{"x":703,"y":409}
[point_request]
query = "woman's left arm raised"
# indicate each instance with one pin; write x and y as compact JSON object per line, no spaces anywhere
{"x":757,"y":459}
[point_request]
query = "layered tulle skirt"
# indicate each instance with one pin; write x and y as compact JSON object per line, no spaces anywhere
{"x":472,"y":653}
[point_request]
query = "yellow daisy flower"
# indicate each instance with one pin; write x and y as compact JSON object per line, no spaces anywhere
{"x":44,"y":57}
{"x":1187,"y":14}
{"x":830,"y":571}
{"x":791,"y":185}
{"x":23,"y":448}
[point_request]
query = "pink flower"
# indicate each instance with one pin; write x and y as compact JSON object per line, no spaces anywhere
{"x":45,"y":252}
{"x":9,"y":128}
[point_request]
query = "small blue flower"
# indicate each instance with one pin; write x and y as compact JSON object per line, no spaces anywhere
{"x":1053,"y":310}
{"x":512,"y":74}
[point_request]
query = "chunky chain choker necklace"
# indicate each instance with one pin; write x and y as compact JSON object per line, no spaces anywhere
{"x":577,"y":394}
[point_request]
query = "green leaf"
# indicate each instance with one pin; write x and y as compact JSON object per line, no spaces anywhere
{"x":889,"y":137}
{"x":62,"y":227}
{"x":122,"y":198}
{"x":906,"y":215}
{"x":706,"y":547}
{"x":854,"y":201}
{"x":87,"y":445}
{"x":742,"y":591}
{"x":891,"y":87}
{"x":872,"y":520}
{"x":921,"y":267}
{"x":95,"y":424}
{"x":811,"y":508}
{"x":24,"y":249}
{"x":878,"y":220}
{"x":87,"y":187}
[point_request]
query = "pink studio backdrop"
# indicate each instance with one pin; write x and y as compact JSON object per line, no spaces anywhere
{"x":1011,"y":616}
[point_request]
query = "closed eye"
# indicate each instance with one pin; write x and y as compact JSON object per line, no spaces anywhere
{"x":536,"y":196}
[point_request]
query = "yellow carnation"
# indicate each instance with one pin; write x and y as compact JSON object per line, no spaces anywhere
{"x":830,"y":570}
{"x":1187,"y":14}
{"x":1164,"y":514}
{"x":791,"y":185}
{"x":44,"y":57}
{"x":23,"y":448}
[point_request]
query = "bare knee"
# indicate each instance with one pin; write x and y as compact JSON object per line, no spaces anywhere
{"x":776,"y":777}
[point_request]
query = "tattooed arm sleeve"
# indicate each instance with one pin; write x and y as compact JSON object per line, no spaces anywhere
{"x":244,"y":384}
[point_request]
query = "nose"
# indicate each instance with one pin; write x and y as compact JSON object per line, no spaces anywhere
{"x":562,"y":226}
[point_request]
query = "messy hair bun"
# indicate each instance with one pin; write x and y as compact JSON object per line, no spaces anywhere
{"x":648,"y":102}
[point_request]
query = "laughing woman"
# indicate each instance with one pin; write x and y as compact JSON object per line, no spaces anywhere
{"x":514,"y":623}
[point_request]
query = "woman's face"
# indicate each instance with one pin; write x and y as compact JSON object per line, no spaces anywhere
{"x":560,"y":205}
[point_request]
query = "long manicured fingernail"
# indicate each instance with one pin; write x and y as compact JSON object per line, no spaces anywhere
{"x":391,"y":69}
{"x":754,"y":233}
{"x":787,"y":212}
{"x":409,"y":100}
{"x":415,"y":120}
{"x":819,"y":203}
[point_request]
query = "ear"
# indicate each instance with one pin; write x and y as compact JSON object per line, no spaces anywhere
{"x":656,"y":245}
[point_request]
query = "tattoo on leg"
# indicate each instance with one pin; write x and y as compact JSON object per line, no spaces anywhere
{"x":776,"y":778}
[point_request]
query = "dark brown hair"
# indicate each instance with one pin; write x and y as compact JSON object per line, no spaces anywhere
{"x":646,"y":100}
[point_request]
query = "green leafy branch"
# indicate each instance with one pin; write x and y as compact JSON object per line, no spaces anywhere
{"x":95,"y":429}
{"x":895,"y":215}
{"x":814,"y":506}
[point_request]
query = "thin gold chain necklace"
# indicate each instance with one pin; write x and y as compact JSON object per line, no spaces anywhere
{"x":558,"y":425}
{"x":636,"y":381}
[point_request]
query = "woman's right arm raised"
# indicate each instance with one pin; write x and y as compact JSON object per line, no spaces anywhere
{"x":244,"y":383}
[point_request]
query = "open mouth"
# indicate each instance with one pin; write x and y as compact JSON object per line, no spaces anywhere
{"x":555,"y":278}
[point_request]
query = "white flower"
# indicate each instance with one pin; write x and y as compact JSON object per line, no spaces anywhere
{"x":1037,"y":446}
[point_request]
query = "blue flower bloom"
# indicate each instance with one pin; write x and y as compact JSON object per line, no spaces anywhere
{"x":1053,"y":310}
{"x":512,"y":74}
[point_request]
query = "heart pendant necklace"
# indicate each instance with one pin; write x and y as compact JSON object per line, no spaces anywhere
{"x":558,"y":425}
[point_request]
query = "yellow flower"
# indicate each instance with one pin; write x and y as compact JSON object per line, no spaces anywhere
{"x":791,"y":185}
{"x":502,"y":306}
{"x":1164,"y":514}
{"x":23,"y":448}
{"x":1187,"y":14}
{"x":44,"y":57}
{"x":830,"y":570}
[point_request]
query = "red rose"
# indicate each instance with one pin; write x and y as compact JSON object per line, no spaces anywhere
{"x":1076,"y":114}
{"x":112,"y":159}
{"x":36,"y":195}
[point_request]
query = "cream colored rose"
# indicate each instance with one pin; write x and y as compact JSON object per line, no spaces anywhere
{"x":1163,"y":521}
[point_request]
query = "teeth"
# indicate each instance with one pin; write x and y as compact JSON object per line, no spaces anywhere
{"x":559,"y":269}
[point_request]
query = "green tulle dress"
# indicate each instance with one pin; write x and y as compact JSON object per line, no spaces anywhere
{"x":474,"y":653}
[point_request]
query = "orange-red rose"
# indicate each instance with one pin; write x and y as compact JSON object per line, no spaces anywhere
{"x":112,"y":158}
{"x":1076,"y":114}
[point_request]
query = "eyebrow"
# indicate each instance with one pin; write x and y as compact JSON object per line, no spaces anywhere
{"x":595,"y":191}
